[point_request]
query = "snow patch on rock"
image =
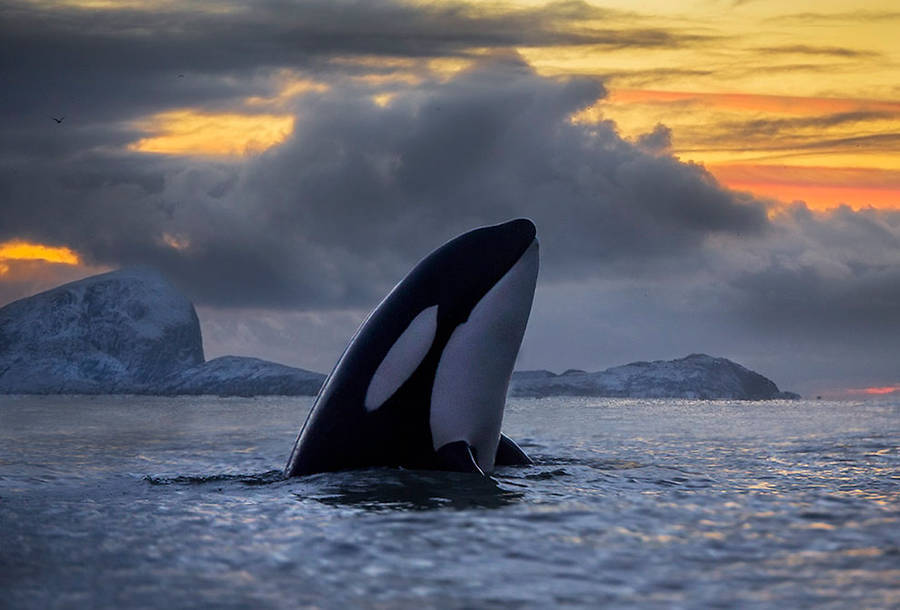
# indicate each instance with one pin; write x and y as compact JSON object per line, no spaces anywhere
{"x":121,"y":331}
{"x":697,"y":376}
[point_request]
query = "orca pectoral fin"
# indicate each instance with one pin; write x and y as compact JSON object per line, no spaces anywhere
{"x":510,"y":454}
{"x":458,"y":457}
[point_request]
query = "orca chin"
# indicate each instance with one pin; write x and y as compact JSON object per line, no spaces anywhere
{"x":423,"y":382}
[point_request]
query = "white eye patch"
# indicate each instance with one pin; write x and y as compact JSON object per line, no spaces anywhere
{"x":404,"y":357}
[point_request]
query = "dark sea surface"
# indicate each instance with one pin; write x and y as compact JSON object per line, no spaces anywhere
{"x":121,"y":502}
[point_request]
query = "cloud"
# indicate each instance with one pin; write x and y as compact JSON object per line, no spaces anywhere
{"x":338,"y":212}
{"x":644,"y":256}
{"x":802,"y":49}
{"x":208,"y":37}
{"x":775,"y":125}
{"x":657,"y":141}
{"x":106,"y":68}
{"x":779,"y":135}
{"x":653,"y":76}
{"x":842,"y":17}
{"x":837,"y":274}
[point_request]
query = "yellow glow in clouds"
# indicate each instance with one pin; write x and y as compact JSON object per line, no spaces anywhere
{"x":21,"y":250}
{"x":190,"y":132}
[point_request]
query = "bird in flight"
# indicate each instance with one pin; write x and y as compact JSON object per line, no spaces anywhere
{"x":58,"y":120}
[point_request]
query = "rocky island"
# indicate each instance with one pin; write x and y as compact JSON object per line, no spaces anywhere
{"x":132,"y":332}
{"x":125,"y":332}
{"x":697,"y":376}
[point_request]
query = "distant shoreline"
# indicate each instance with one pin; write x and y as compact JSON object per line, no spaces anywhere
{"x":132,"y":332}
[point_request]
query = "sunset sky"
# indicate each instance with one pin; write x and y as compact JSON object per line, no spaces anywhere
{"x":718,"y":176}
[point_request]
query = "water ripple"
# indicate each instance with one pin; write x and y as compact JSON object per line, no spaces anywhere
{"x":135,"y":502}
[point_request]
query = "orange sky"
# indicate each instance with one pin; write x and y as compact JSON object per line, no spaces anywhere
{"x":823,"y":151}
{"x":793,"y":102}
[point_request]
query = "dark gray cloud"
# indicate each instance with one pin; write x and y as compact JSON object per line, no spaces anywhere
{"x":841,"y":272}
{"x":822,"y":290}
{"x":123,"y":63}
{"x":657,"y":141}
{"x":335,"y":215}
{"x":257,"y":33}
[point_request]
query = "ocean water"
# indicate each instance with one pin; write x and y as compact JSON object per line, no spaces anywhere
{"x":120,"y":502}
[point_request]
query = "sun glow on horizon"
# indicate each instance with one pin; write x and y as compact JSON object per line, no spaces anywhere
{"x":876,"y":391}
{"x":17,"y":250}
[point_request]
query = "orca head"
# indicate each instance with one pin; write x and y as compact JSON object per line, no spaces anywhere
{"x":461,"y":272}
{"x":433,"y":359}
{"x":472,"y":298}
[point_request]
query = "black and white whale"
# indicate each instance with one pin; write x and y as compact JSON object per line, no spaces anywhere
{"x":423,"y":382}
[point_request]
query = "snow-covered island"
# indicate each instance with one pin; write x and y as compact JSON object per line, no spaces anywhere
{"x":132,"y":332}
{"x":696,"y":376}
{"x":125,"y":332}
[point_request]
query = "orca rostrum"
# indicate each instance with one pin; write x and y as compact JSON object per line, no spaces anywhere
{"x":423,"y":382}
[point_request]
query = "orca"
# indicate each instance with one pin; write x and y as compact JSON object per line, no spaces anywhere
{"x":423,"y":382}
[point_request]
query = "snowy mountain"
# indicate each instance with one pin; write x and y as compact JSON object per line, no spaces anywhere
{"x":125,"y":332}
{"x":116,"y":332}
{"x":697,"y":376}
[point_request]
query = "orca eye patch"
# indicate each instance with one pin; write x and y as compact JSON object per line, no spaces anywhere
{"x":403,"y":358}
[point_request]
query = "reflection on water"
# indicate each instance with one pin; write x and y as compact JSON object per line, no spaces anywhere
{"x":113,"y":502}
{"x":397,"y":489}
